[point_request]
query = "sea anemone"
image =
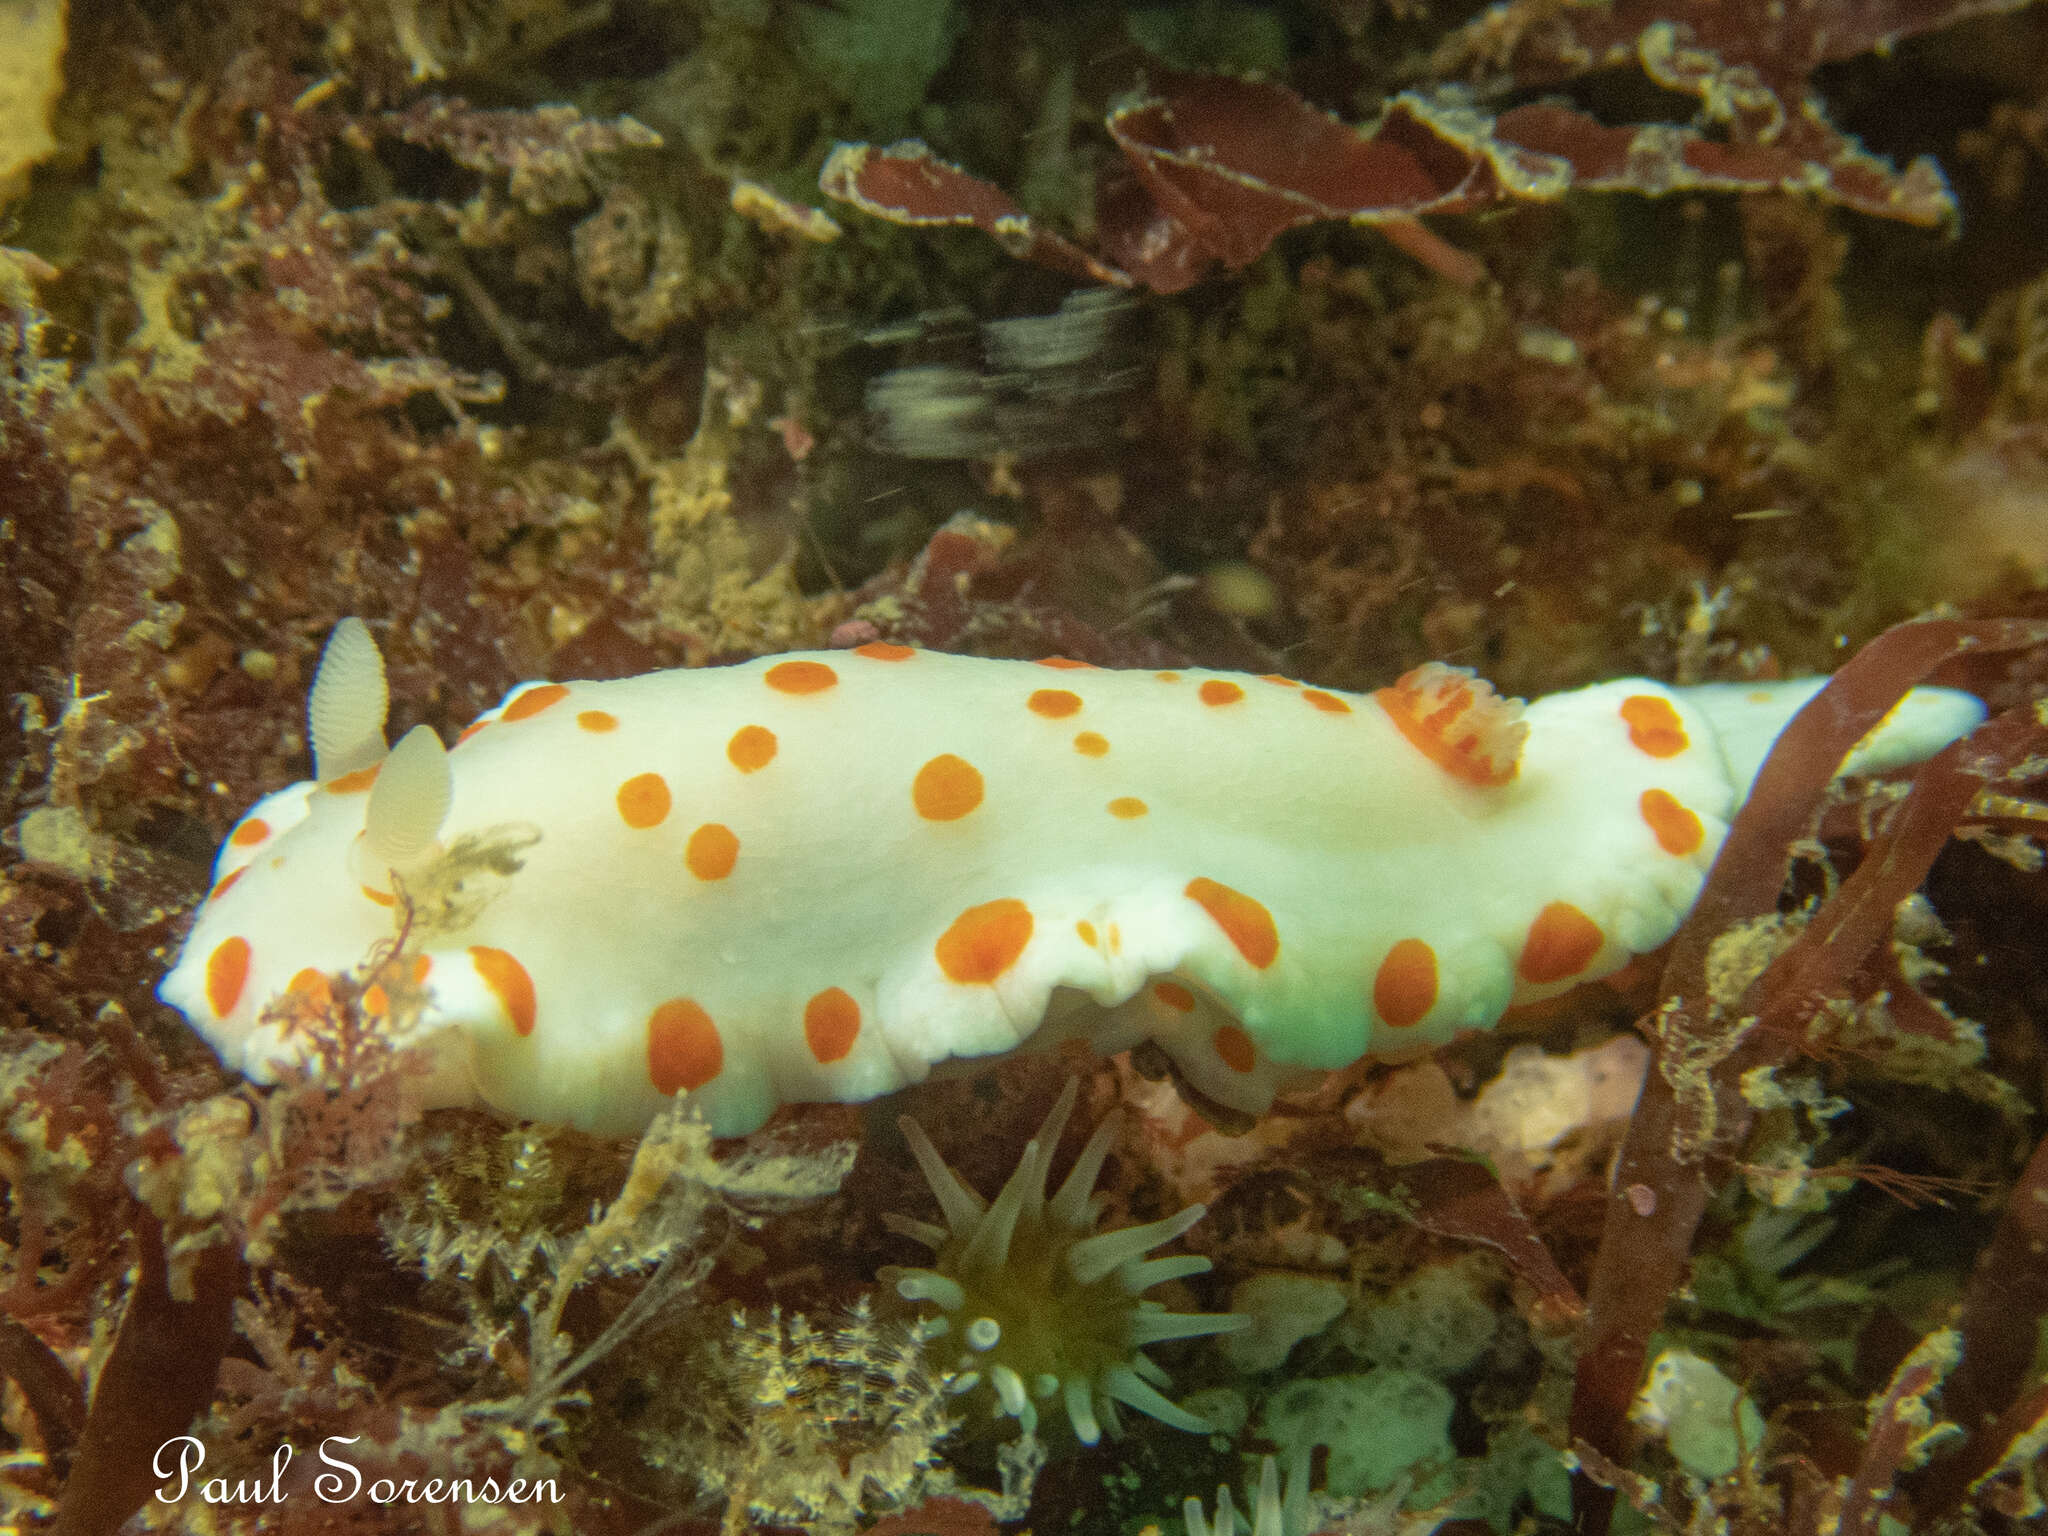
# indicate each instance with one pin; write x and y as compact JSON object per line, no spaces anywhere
{"x":1044,"y":1305}
{"x":1271,"y":1515}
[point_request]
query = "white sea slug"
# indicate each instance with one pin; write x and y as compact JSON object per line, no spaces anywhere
{"x":818,"y":876}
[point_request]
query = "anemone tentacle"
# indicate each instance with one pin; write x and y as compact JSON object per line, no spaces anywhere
{"x":1049,"y":1309}
{"x":1271,"y":1513}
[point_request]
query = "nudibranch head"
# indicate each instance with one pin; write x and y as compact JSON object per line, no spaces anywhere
{"x":1042,"y":1306}
{"x":368,"y":825}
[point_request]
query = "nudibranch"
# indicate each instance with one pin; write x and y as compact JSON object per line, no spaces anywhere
{"x":818,"y":876}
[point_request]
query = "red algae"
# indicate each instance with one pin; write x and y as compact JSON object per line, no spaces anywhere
{"x":1702,"y":341}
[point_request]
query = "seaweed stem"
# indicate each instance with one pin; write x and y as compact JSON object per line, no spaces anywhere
{"x":2000,"y":1321}
{"x":52,"y":1392}
{"x":1691,"y":1109}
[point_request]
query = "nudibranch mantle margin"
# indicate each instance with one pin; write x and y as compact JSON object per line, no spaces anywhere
{"x":817,"y":876}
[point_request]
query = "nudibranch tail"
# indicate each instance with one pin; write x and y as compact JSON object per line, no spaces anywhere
{"x":1749,"y":717}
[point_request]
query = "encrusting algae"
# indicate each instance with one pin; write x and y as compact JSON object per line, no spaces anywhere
{"x":1298,"y":349}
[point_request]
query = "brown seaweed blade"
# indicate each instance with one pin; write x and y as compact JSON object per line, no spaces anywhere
{"x":1898,"y":1425}
{"x":52,"y":1393}
{"x":2000,"y":1323}
{"x":1750,"y":63}
{"x":1781,"y":45}
{"x":157,"y":1380}
{"x":1463,"y":1200}
{"x":1691,"y":1106}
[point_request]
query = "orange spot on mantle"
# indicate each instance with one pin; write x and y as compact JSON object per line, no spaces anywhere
{"x":1216,"y":692}
{"x":353,"y":783}
{"x":882,"y":650}
{"x":508,"y":982}
{"x":712,"y":851}
{"x":752,"y":748}
{"x":1562,"y":942}
{"x":946,"y":788}
{"x":800,"y":677}
{"x":683,"y":1048}
{"x":313,"y":986}
{"x":1678,"y":830}
{"x":250,"y":832}
{"x":644,"y":801}
{"x":831,"y":1024}
{"x":1653,"y":725}
{"x":984,"y":941}
{"x":227,"y":972}
{"x":1404,"y":988}
{"x":1054,"y":703}
{"x":1245,"y":922}
{"x":534,"y":700}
